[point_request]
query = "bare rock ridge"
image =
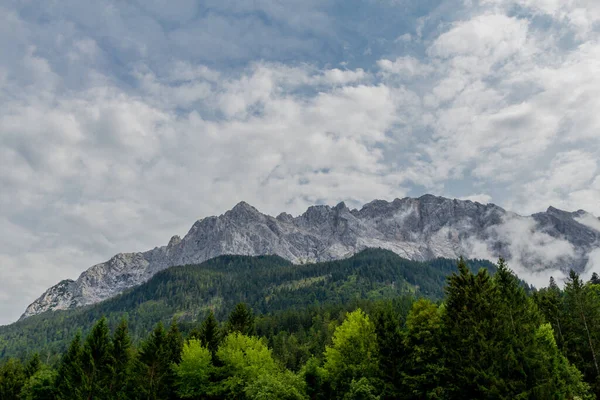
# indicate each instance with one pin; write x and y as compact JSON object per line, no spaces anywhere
{"x":416,"y":228}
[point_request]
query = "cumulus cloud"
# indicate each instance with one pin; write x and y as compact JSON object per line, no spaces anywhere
{"x":124,"y":122}
{"x":525,"y":245}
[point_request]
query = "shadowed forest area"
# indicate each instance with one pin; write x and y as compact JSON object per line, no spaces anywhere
{"x":488,"y":337}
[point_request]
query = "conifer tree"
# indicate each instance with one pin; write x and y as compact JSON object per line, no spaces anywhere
{"x":174,"y":343}
{"x":12,"y":379}
{"x":391,"y":350}
{"x":241,"y":320}
{"x":70,"y":373}
{"x":582,"y":326}
{"x":209,"y":333}
{"x":97,"y":362}
{"x":33,"y":365}
{"x":518,"y":321}
{"x":122,"y":354}
{"x":550,"y":302}
{"x":154,"y":373}
{"x":423,"y":366}
{"x":468,"y":335}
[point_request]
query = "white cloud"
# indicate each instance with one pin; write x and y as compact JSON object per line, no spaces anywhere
{"x":123,"y":122}
{"x":525,"y":245}
{"x":589,"y":220}
{"x":480,"y":198}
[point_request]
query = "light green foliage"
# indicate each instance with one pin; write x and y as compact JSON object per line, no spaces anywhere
{"x":354,"y":352}
{"x":244,"y":359}
{"x":279,"y":386}
{"x":194,"y":370}
{"x":361,"y":389}
{"x":556,"y":378}
{"x":487,"y":340}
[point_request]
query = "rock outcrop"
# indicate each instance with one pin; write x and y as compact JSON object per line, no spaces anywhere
{"x":416,"y":228}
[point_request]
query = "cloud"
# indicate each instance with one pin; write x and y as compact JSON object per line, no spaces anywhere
{"x":524,"y":245}
{"x":593,"y":265}
{"x":124,"y":122}
{"x":590,"y":221}
{"x":480,"y":198}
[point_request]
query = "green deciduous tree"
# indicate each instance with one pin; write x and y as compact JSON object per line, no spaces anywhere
{"x":276,"y":386}
{"x":553,"y":377}
{"x":361,"y":389}
{"x":354,"y":352}
{"x":244,"y":359}
{"x":193,"y":371}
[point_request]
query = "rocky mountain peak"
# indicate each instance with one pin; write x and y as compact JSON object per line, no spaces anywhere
{"x":175,"y":240}
{"x":243,"y":211}
{"x":415,"y":228}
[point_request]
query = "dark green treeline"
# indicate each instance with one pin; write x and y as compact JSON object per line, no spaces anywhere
{"x":488,"y":339}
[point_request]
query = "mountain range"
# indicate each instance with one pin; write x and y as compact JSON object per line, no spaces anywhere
{"x":419,"y":229}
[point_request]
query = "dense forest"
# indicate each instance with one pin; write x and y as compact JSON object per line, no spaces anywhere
{"x":487,"y":337}
{"x":268,"y":284}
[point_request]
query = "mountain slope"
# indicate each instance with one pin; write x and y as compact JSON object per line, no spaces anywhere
{"x":268,"y":283}
{"x":417,"y":229}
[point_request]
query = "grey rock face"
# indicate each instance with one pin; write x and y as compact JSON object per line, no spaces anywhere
{"x":419,"y":229}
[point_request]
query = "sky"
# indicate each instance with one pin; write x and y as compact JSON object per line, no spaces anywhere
{"x":123,"y":122}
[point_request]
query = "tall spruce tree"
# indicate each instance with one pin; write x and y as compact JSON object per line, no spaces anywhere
{"x":156,"y":356}
{"x":209,"y":333}
{"x":241,"y":320}
{"x":391,"y":350}
{"x":468,"y":336}
{"x":550,"y":302}
{"x":120,"y":385}
{"x":423,"y":366}
{"x":70,"y":372}
{"x":517,"y":324}
{"x":97,"y":362}
{"x":582,"y":330}
{"x":174,"y":344}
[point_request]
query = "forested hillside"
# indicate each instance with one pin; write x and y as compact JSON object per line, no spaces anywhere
{"x":487,"y":339}
{"x":269,"y":284}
